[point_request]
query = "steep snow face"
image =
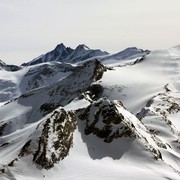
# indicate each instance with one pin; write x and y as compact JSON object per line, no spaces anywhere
{"x":127,"y":56}
{"x":130,"y":53}
{"x":161,"y":117}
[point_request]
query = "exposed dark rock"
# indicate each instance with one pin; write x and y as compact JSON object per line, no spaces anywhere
{"x":5,"y":144}
{"x":166,"y":88}
{"x":2,"y":64}
{"x":47,"y":108}
{"x":2,"y":127}
{"x":93,"y":92}
{"x":101,"y":118}
{"x":139,"y":60}
{"x":2,"y":170}
{"x":99,"y":70}
{"x":62,"y":125}
{"x":12,"y":162}
{"x":26,"y":149}
{"x":13,"y":68}
{"x":7,"y":67}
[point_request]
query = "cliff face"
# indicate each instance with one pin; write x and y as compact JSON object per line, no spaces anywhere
{"x":55,"y":140}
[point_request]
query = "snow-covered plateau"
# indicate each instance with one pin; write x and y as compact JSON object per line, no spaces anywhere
{"x":82,"y":114}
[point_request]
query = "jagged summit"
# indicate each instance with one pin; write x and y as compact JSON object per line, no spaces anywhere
{"x":60,"y":47}
{"x":81,"y":53}
{"x":61,"y":53}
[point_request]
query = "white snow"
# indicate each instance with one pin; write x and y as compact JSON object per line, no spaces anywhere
{"x":135,"y":85}
{"x":156,"y":78}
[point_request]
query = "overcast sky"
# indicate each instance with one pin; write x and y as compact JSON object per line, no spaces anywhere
{"x":30,"y":28}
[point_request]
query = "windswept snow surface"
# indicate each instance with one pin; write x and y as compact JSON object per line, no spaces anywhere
{"x":135,"y":84}
{"x":142,"y":90}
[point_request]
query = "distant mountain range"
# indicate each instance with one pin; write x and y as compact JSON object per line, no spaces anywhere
{"x":86,"y":114}
{"x":66,"y":54}
{"x":61,"y":53}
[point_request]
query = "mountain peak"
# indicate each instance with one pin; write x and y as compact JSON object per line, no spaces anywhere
{"x":82,"y":47}
{"x":60,"y":47}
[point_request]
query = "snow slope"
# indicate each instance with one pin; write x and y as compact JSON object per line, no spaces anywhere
{"x":90,"y":121}
{"x":135,"y":84}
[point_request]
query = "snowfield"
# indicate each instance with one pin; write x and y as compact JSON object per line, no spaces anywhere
{"x":85,"y":114}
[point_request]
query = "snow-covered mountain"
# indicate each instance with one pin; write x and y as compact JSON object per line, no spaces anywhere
{"x":66,"y":54}
{"x":86,"y":114}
